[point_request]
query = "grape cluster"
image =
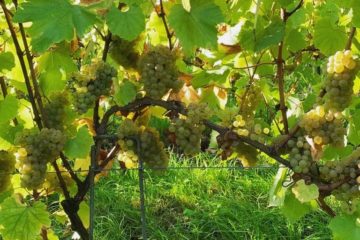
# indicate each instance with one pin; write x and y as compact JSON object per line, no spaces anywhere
{"x":55,"y":111}
{"x":151,"y":150}
{"x":247,"y":128}
{"x":342,"y":69}
{"x":336,"y":171}
{"x":249,"y":100}
{"x":124,"y":52}
{"x":324,"y":127}
{"x":158,"y":72}
{"x":36,"y":150}
{"x":7,"y":163}
{"x":300,"y":154}
{"x":188,"y":131}
{"x":90,"y":83}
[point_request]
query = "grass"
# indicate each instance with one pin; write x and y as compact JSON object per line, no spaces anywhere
{"x":198,"y":204}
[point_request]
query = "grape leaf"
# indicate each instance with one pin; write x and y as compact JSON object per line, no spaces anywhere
{"x":54,"y":67}
{"x":356,"y":13}
{"x":84,"y":214}
{"x":277,"y":191}
{"x":7,"y":61}
{"x":8,"y":108}
{"x":354,"y":128}
{"x":345,"y":227}
{"x":125,"y":93}
{"x":127,"y":25}
{"x":293,"y":209}
{"x":305,"y":193}
{"x":332,"y":153}
{"x":329,"y":37}
{"x":196,"y":28}
{"x":21,"y":222}
{"x":295,"y":41}
{"x":204,"y":78}
{"x":7,"y":135}
{"x":53,"y":21}
{"x":79,"y":146}
{"x":270,"y":35}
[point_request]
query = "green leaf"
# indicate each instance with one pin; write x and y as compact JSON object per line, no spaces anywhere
{"x":79,"y":146}
{"x":356,"y":13}
{"x":305,"y":193}
{"x":186,"y":5}
{"x":7,"y":61}
{"x":207,"y":77}
{"x":196,"y":28}
{"x":21,"y":222}
{"x":354,"y":128}
{"x":277,"y":191}
{"x":293,"y":209}
{"x":271,"y":35}
{"x":345,"y":227}
{"x":8,"y":134}
{"x":125,"y":93}
{"x":8,"y":108}
{"x":208,"y":96}
{"x":295,"y":40}
{"x":54,"y":21}
{"x":332,"y":153}
{"x":55,"y":67}
{"x":127,"y":25}
{"x":324,"y":30}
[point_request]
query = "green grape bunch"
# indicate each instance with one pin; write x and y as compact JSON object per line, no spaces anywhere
{"x":300,"y":156}
{"x":92,"y":82}
{"x":151,"y":150}
{"x":7,"y":163}
{"x":55,"y":111}
{"x":345,"y":170}
{"x":188,"y":131}
{"x":36,"y":149}
{"x":158,"y":72}
{"x":324,"y":127}
{"x":342,"y":69}
{"x":249,"y":100}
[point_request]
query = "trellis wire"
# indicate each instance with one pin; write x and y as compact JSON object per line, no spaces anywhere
{"x":142,"y":185}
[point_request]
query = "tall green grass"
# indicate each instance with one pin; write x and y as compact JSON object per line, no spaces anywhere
{"x":198,"y":204}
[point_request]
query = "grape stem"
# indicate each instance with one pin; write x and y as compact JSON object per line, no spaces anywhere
{"x":350,"y":39}
{"x":162,"y":15}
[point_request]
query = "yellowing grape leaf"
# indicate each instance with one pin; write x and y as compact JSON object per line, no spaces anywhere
{"x":305,"y":193}
{"x":84,"y":215}
{"x":345,"y":227}
{"x":126,"y":24}
{"x":79,"y":147}
{"x":54,"y":21}
{"x":196,"y":28}
{"x":21,"y":222}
